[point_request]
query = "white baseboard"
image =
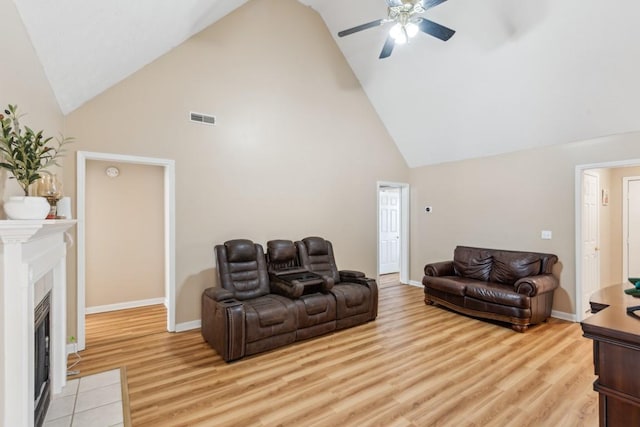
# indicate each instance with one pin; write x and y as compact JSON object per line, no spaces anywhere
{"x":415,"y":283}
{"x":125,"y":305}
{"x":570,"y":317}
{"x":72,"y":348}
{"x":187,"y":326}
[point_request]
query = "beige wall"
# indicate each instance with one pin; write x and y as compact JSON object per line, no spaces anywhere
{"x":296,"y":152}
{"x":124,"y":225}
{"x":23,"y":82}
{"x":505,"y":201}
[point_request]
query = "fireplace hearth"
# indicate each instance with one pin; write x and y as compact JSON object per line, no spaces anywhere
{"x":42,"y":336}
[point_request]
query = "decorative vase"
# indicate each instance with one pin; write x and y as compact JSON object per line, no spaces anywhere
{"x":26,"y":207}
{"x":49,"y":187}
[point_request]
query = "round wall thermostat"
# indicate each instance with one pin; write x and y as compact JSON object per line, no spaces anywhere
{"x":112,"y":171}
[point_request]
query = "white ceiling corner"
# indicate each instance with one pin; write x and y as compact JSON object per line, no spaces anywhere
{"x":516,"y":75}
{"x":92,"y":45}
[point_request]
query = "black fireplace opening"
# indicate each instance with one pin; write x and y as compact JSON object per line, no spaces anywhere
{"x":42,"y":384}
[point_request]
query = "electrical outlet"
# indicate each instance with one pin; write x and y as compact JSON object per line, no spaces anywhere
{"x":546,"y":235}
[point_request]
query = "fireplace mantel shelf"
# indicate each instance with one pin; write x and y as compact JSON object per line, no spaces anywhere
{"x":32,"y":253}
{"x":21,"y":231}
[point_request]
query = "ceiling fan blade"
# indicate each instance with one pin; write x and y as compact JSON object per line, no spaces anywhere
{"x":366,"y":26}
{"x":387,"y":48}
{"x":392,"y":3}
{"x":428,"y":4}
{"x":436,"y":30}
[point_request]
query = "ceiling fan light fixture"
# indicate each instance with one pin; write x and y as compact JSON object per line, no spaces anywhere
{"x":405,"y":15}
{"x":402,"y":33}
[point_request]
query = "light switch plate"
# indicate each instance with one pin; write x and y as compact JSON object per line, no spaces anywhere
{"x":546,"y":235}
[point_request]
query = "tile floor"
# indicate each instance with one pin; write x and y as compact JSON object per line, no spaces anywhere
{"x":91,"y":401}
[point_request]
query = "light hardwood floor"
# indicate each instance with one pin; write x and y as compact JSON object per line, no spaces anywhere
{"x":416,"y":365}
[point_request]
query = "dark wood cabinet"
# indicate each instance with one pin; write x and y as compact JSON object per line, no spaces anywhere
{"x":616,"y":356}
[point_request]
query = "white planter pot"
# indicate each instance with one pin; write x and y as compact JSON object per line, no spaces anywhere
{"x":23,"y":207}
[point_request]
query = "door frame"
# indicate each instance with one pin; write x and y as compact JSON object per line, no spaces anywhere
{"x":404,"y":227}
{"x":169,"y":232}
{"x":625,"y":225}
{"x":579,"y":170}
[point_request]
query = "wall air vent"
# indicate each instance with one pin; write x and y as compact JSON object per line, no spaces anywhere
{"x":204,"y":119}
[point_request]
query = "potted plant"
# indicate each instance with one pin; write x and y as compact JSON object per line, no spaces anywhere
{"x":26,"y":154}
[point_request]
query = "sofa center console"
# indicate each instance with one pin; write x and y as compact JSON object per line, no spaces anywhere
{"x":304,"y":280}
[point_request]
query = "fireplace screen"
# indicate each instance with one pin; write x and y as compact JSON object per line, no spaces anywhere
{"x":41,"y":371}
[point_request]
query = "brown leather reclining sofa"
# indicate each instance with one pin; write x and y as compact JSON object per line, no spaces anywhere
{"x":508,"y":286}
{"x":294,"y":292}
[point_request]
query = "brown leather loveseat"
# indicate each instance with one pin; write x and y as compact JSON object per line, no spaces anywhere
{"x":508,"y":286}
{"x":294,"y":292}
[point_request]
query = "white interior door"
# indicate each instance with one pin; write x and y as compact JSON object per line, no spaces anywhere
{"x":389,"y":230}
{"x":633,"y":228}
{"x":590,"y":237}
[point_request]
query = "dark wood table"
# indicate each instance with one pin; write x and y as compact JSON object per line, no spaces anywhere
{"x":616,"y":355}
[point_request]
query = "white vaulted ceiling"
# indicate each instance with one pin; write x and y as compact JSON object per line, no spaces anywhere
{"x":517,"y":74}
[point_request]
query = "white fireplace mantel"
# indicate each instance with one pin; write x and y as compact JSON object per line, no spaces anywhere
{"x":28,"y":251}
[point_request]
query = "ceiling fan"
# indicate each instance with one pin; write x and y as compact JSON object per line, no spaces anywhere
{"x":406,"y":15}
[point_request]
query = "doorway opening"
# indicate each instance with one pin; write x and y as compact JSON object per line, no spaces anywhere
{"x":168,"y":231}
{"x":599,"y":203}
{"x":393,"y":229}
{"x":630,"y":228}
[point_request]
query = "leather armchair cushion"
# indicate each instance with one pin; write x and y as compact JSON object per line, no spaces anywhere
{"x":316,"y":246}
{"x":504,"y":310}
{"x":316,"y":303}
{"x":246,"y":279}
{"x":508,"y":267}
{"x":246,"y":276}
{"x":281,"y":251}
{"x":354,"y":296}
{"x":497,"y":294}
{"x":351,"y":299}
{"x":473,"y":263}
{"x":321,"y":264}
{"x":449,"y":284}
{"x":240,"y":250}
{"x":316,"y":254}
{"x":315,"y":309}
{"x":268,"y":316}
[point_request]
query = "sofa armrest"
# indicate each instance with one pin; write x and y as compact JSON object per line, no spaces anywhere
{"x":219,"y":294}
{"x":438,"y":269}
{"x":355,"y":277}
{"x":223,"y":325}
{"x":348,"y":275}
{"x":535,"y":285}
{"x":328,"y":282}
